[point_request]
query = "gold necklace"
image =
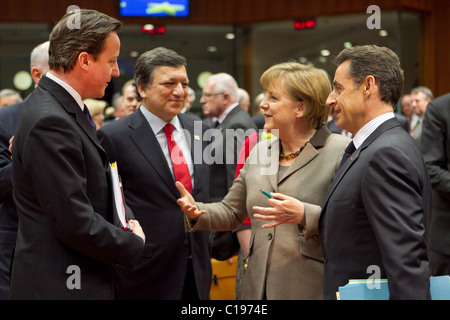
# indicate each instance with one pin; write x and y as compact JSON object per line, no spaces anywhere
{"x":291,"y":155}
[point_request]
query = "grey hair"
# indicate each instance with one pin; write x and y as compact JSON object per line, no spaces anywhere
{"x":426,"y":91}
{"x":39,"y":57}
{"x":225,"y":83}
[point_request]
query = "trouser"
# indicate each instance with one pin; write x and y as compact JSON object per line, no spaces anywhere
{"x":439,"y":263}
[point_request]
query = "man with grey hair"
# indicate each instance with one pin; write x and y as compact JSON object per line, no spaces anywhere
{"x":8,"y":213}
{"x":9,"y":97}
{"x":420,"y":97}
{"x":221,"y":97}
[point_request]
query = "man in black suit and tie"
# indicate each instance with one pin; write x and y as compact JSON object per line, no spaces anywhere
{"x":221,"y":98}
{"x":8,"y":214}
{"x":67,"y":243}
{"x":175,"y":264}
{"x":234,"y":124}
{"x":435,"y":146}
{"x":374,"y":216}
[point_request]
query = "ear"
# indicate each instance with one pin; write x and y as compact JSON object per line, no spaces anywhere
{"x":301,"y":107}
{"x":84,"y":59}
{"x":36,"y":74}
{"x":369,"y":85}
{"x":141,"y":91}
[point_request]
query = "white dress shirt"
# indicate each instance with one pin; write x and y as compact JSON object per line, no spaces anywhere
{"x":157,"y":126}
{"x":68,"y":88}
{"x":370,"y":127}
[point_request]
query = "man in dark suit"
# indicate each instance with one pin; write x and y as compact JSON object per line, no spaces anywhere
{"x":220,"y":96}
{"x":175,"y":264}
{"x":373,"y":218}
{"x":435,"y":146}
{"x":67,"y":244}
{"x":234,"y":124}
{"x":8,"y":214}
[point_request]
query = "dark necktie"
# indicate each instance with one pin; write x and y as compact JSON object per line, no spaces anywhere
{"x":180,"y":168}
{"x":88,"y":116}
{"x":348,"y":151}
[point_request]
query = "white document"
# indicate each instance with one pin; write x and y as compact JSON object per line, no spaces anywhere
{"x":118,"y":196}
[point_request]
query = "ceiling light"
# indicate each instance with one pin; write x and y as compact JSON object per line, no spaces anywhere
{"x":325,"y":53}
{"x":230,"y":36}
{"x":383,"y":33}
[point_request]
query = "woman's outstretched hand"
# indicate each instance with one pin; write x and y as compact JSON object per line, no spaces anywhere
{"x":187,"y":202}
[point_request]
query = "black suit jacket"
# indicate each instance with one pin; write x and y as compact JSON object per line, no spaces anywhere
{"x":435,"y":146}
{"x":374,"y":215}
{"x":235,"y":128}
{"x":8,"y":214}
{"x":64,"y":203}
{"x":150,"y":191}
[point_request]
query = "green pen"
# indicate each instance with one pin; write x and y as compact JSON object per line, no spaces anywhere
{"x":266,"y":193}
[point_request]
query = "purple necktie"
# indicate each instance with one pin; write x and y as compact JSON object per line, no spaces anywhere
{"x":88,"y":116}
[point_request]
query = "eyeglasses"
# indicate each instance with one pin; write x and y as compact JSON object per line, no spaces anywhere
{"x":209,"y":95}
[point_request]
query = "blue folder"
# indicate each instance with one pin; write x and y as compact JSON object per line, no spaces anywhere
{"x":378,"y":290}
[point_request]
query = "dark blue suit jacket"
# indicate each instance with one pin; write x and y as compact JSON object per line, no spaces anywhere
{"x":9,"y":117}
{"x":64,"y":203}
{"x":374,"y":216}
{"x":151,"y":193}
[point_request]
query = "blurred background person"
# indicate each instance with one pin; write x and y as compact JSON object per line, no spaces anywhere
{"x":9,"y":117}
{"x":420,"y":97}
{"x":435,"y":146}
{"x":9,"y":97}
{"x":244,"y":99}
{"x":408,"y":111}
{"x":258,"y":117}
{"x":189,"y":103}
{"x":129,"y":97}
{"x":96,"y":108}
{"x":285,"y":262}
{"x":221,"y":96}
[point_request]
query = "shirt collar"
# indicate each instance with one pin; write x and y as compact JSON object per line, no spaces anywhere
{"x":68,"y":88}
{"x":226,"y":112}
{"x":156,"y":123}
{"x":370,"y":127}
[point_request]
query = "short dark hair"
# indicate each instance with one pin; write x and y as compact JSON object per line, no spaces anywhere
{"x":381,"y":63}
{"x":148,"y":61}
{"x":67,"y":41}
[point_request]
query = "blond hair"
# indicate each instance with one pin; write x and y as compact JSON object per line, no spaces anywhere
{"x":95,"y":106}
{"x":304,"y":83}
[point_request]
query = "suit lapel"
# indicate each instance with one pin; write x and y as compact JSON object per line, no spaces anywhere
{"x":195,"y":145}
{"x":234,"y":112}
{"x":145,"y":140}
{"x":308,"y":153}
{"x":385,"y":126}
{"x":69,"y":104}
